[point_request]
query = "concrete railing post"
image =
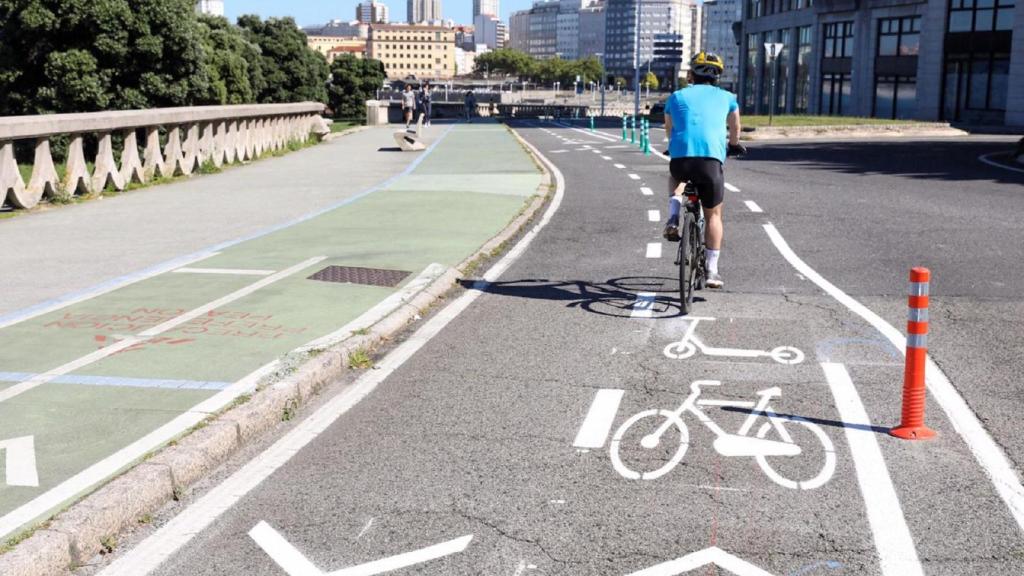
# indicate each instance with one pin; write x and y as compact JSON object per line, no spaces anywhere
{"x":76,"y":171}
{"x":206,"y":143}
{"x":45,"y":181}
{"x":105,"y":171}
{"x":190,"y":149}
{"x":131,"y":165}
{"x":11,"y":184}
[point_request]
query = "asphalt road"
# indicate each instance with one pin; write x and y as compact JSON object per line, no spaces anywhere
{"x":521,"y":423}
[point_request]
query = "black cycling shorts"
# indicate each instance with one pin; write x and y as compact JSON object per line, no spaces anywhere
{"x":705,"y":174}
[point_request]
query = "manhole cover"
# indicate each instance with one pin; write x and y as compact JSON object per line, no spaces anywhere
{"x":356,"y":275}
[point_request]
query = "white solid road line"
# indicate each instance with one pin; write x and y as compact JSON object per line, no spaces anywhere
{"x":654,"y":215}
{"x":286,"y":556}
{"x":599,"y":419}
{"x":644,"y":305}
{"x":634,"y":176}
{"x":154,"y":550}
{"x":896,"y":552}
{"x":988,"y":454}
{"x":731,"y":188}
{"x":227,"y":271}
{"x":620,"y":166}
{"x":753,"y":207}
{"x":646,"y":191}
{"x":112,"y":349}
{"x":654,"y":249}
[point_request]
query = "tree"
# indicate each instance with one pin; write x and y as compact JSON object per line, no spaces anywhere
{"x":505,"y":61}
{"x":651,"y":81}
{"x":233,"y":64}
{"x":81,"y":56}
{"x":353,"y":82}
{"x":292,"y":71}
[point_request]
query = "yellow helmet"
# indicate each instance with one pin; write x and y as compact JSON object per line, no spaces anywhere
{"x":707,"y":64}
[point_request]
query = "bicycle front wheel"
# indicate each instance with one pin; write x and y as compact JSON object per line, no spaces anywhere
{"x":687,"y":261}
{"x":649,"y":462}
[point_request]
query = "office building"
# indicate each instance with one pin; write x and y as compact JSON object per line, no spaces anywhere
{"x":592,"y":31}
{"x":718,"y":18}
{"x":422,"y":52}
{"x":211,"y":7}
{"x":657,"y":19}
{"x":372,"y":12}
{"x":952,"y":60}
{"x":489,"y":31}
{"x":339,"y":28}
{"x":419,"y":11}
{"x":485,"y":8}
{"x":567,"y":36}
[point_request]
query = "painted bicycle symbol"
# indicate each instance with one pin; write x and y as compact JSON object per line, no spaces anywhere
{"x":761,"y":446}
{"x":690,"y":343}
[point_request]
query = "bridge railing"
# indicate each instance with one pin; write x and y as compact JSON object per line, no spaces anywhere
{"x":176,"y":141}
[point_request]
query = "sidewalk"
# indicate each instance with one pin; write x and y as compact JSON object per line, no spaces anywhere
{"x":93,"y":379}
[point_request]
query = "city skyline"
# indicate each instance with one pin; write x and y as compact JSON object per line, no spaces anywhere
{"x":313,"y":12}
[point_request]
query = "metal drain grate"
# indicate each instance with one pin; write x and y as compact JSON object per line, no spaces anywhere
{"x":356,"y":275}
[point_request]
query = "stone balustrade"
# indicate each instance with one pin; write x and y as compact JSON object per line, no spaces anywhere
{"x":192,"y":137}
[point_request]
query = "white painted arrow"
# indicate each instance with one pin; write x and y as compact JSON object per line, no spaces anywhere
{"x":20,"y":464}
{"x":714,"y":555}
{"x":294,"y":563}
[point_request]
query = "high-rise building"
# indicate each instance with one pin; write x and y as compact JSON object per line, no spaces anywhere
{"x":567,"y":42}
{"x":372,"y":12}
{"x":212,"y":7}
{"x":419,"y":11}
{"x":485,"y":7}
{"x":519,"y":30}
{"x":657,"y":19}
{"x":718,"y":17}
{"x":592,"y":31}
{"x":489,"y":31}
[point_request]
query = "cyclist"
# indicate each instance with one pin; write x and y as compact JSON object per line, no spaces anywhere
{"x":702,"y":122}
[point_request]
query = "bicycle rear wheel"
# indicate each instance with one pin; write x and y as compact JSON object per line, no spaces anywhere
{"x":687,"y":261}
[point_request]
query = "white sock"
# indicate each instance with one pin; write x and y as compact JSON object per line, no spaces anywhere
{"x":713,"y":261}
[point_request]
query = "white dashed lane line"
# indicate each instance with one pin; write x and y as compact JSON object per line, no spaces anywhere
{"x":647,"y":191}
{"x":620,"y":166}
{"x":753,"y":207}
{"x":606,"y":157}
{"x":634,"y":176}
{"x":654,"y":215}
{"x":654,"y":249}
{"x":731,"y":188}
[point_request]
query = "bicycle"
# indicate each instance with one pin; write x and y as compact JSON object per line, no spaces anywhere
{"x":691,"y":257}
{"x":740,"y":444}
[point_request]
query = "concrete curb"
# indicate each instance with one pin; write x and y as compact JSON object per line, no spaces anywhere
{"x":840,"y":132}
{"x":92,"y":525}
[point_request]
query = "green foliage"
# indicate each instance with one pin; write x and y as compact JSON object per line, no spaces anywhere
{"x":292,"y":71}
{"x":620,"y":81}
{"x":505,"y":62}
{"x":353,"y":82}
{"x":651,"y":81}
{"x":91,"y":55}
{"x":509,"y":62}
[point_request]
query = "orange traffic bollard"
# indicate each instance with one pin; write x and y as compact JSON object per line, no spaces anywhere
{"x":912,"y":425}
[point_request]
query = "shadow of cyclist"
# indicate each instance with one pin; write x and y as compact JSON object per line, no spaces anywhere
{"x":618,"y":297}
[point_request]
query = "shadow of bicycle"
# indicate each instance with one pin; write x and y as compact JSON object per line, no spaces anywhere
{"x":626,"y":297}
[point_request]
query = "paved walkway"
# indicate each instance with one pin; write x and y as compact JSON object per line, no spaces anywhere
{"x":90,"y":379}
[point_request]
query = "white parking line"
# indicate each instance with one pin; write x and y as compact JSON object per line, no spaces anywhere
{"x":599,"y":420}
{"x":896,"y":552}
{"x":988,"y":454}
{"x":643,"y":307}
{"x":634,"y":176}
{"x":654,"y":249}
{"x":752,"y":206}
{"x":646,"y":191}
{"x":731,"y":188}
{"x":620,"y":166}
{"x":654,"y":215}
{"x":227,"y":271}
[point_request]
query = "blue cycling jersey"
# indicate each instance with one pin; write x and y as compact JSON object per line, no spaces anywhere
{"x":699,"y":115}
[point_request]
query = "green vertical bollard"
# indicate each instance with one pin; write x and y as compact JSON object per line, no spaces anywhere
{"x":623,"y":127}
{"x":591,"y":122}
{"x":647,"y":138}
{"x":643,"y":134}
{"x":632,"y":129}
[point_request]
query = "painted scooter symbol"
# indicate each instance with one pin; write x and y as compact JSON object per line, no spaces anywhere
{"x":741,"y":444}
{"x":690,"y":343}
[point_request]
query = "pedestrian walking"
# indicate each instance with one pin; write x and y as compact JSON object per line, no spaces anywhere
{"x":408,"y":104}
{"x":425,"y":102}
{"x":469,"y":105}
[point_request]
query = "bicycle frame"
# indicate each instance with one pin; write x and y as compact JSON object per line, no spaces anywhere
{"x":740,"y":443}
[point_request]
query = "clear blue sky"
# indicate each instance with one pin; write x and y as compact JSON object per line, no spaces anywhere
{"x":310,"y":12}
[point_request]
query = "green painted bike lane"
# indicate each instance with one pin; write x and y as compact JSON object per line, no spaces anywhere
{"x":258,"y":306}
